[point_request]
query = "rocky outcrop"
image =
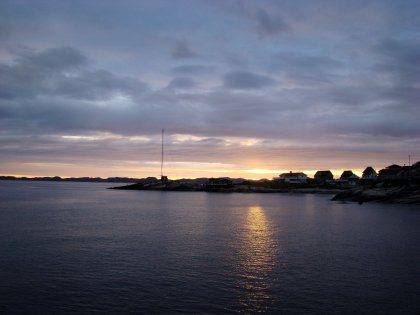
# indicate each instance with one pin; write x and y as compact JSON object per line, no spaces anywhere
{"x":407,"y":194}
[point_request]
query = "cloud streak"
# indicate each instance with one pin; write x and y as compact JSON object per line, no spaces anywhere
{"x":62,"y":72}
{"x":268,"y":25}
{"x":243,"y":80}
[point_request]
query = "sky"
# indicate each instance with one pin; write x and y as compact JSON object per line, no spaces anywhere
{"x":243,"y":88}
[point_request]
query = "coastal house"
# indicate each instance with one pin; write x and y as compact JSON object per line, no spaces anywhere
{"x":323,"y":176}
{"x":369,"y":174}
{"x":294,"y":178}
{"x":391,"y":172}
{"x":349,"y":178}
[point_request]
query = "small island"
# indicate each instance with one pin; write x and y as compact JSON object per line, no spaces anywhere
{"x":398,"y":184}
{"x":228,"y":185}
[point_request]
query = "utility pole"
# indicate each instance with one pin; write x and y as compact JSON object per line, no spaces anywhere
{"x":161,"y":163}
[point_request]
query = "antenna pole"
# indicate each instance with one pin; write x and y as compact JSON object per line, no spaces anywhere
{"x":161,"y":164}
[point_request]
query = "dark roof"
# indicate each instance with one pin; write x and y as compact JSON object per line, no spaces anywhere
{"x":348,"y":174}
{"x":390,"y":171}
{"x":291,"y":174}
{"x":368,"y":171}
{"x":323,"y":175}
{"x":394,"y":166}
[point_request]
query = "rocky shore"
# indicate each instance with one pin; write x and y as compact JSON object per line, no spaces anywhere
{"x":406,"y":194}
{"x":393,"y":184}
{"x":233,"y":189}
{"x":389,"y":191}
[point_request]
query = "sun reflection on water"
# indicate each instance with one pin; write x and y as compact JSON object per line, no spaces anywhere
{"x":258,"y":253}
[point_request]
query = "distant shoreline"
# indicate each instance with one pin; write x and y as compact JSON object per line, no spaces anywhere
{"x":122,"y":180}
{"x":133,"y":184}
{"x":395,"y":191}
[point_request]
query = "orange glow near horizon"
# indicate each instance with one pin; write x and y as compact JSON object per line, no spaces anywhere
{"x":251,"y":162}
{"x":191,"y":156}
{"x":174,"y":174}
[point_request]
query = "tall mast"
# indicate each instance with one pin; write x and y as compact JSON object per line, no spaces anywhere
{"x":161,"y":163}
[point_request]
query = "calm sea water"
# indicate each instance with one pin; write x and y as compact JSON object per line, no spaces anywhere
{"x":80,"y":248}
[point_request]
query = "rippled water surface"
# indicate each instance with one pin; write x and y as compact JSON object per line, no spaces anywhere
{"x":80,"y":248}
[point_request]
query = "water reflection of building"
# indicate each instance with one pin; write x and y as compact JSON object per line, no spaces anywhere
{"x":259,"y":251}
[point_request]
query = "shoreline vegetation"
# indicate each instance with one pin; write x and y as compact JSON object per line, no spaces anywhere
{"x":393,"y":184}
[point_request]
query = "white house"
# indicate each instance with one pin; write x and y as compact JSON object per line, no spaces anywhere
{"x":294,"y":178}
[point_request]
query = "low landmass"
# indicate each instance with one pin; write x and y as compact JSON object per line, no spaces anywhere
{"x":230,"y":185}
{"x":397,"y":184}
{"x":393,"y":184}
{"x":401,"y":191}
{"x":125,"y":180}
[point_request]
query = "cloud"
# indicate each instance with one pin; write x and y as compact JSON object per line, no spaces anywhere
{"x":71,"y":96}
{"x":270,"y":25}
{"x":305,"y":69}
{"x":63,"y":72}
{"x":97,"y":85}
{"x":299,"y":60}
{"x":399,"y":58}
{"x":192,"y":69}
{"x":181,"y":83}
{"x":244,"y":80}
{"x":182,"y":50}
{"x":397,"y":63}
{"x":267,"y":16}
{"x":53,"y":59}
